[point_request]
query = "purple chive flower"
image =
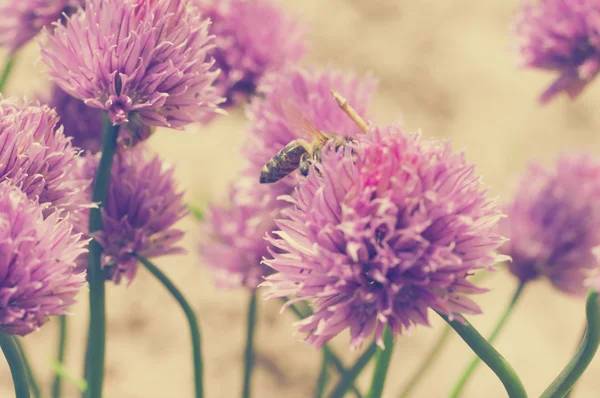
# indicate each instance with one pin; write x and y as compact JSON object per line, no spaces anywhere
{"x":36,"y":156}
{"x":554,"y":223}
{"x":143,"y":61}
{"x":310,"y":91}
{"x":23,"y":19}
{"x":37,"y":273}
{"x":235,"y":241}
{"x":141,"y":208}
{"x":381,"y":232}
{"x":235,"y":244}
{"x":248,"y":47}
{"x":561,"y":36}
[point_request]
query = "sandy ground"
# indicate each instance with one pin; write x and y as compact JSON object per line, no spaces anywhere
{"x":446,"y":67}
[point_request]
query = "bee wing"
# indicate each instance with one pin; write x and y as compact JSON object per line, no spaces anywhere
{"x":299,"y":124}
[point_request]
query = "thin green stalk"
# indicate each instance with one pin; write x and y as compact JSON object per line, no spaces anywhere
{"x":437,"y":348}
{"x":334,"y":359}
{"x":35,"y":389}
{"x":586,"y":351}
{"x":10,"y":348}
{"x":192,"y":321}
{"x":462,"y":382}
{"x":8,"y":66}
{"x":381,"y":365}
{"x":568,"y":394}
{"x":322,"y":380}
{"x":425,"y":365}
{"x":351,"y":374}
{"x":96,"y":345}
{"x":60,"y":356}
{"x":488,"y":354}
{"x":249,"y":352}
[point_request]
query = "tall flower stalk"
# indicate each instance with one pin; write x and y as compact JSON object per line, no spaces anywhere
{"x":33,"y":385}
{"x":462,"y":382}
{"x":60,"y":356}
{"x":192,"y":321}
{"x":382,"y":362}
{"x":249,"y":351}
{"x":584,"y":355}
{"x":97,"y":330}
{"x":488,"y":354}
{"x":9,"y":346}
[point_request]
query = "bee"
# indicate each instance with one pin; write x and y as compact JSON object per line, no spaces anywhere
{"x":299,"y":153}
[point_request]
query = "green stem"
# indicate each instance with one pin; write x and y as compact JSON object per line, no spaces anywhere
{"x":322,"y":380}
{"x":437,"y":348}
{"x":97,"y":330}
{"x":381,"y":365}
{"x":351,"y":374}
{"x":427,"y":362}
{"x":60,"y":357}
{"x":192,"y":320}
{"x":8,"y":66}
{"x":489,"y":355}
{"x":10,"y":348}
{"x":333,"y":357}
{"x":35,"y":389}
{"x":249,"y":352}
{"x":462,"y":382}
{"x":586,"y":351}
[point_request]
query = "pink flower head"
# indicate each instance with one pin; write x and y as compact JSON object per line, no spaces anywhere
{"x":23,"y":19}
{"x":235,"y":241}
{"x":381,"y":232}
{"x":236,"y":244}
{"x":561,"y":36}
{"x":141,"y":208}
{"x":253,"y":37}
{"x":37,"y":263}
{"x":554,"y":223}
{"x":144,"y":62}
{"x":37,"y":157}
{"x":310,"y":91}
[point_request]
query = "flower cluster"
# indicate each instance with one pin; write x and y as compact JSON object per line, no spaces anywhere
{"x":561,"y":36}
{"x":247,"y":47}
{"x":380,"y":233}
{"x":235,"y":231}
{"x":40,"y":201}
{"x":144,"y":62}
{"x":554,"y":223}
{"x":141,"y":208}
{"x":22,"y":20}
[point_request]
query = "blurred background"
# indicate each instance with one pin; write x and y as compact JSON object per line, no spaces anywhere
{"x":448,"y":68}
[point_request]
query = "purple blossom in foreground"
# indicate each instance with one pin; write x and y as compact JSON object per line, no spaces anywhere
{"x":36,"y":156}
{"x":141,"y":208}
{"x":561,"y":36}
{"x":253,"y":37}
{"x":554,"y":223}
{"x":381,"y":232}
{"x":310,"y":91}
{"x":236,"y":244}
{"x":235,"y":241}
{"x":23,"y":19}
{"x":37,"y":259}
{"x":144,"y":62}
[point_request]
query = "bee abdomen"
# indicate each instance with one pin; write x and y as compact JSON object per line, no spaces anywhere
{"x":282,"y":164}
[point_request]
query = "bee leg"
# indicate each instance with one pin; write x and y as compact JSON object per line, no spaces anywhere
{"x":304,"y":164}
